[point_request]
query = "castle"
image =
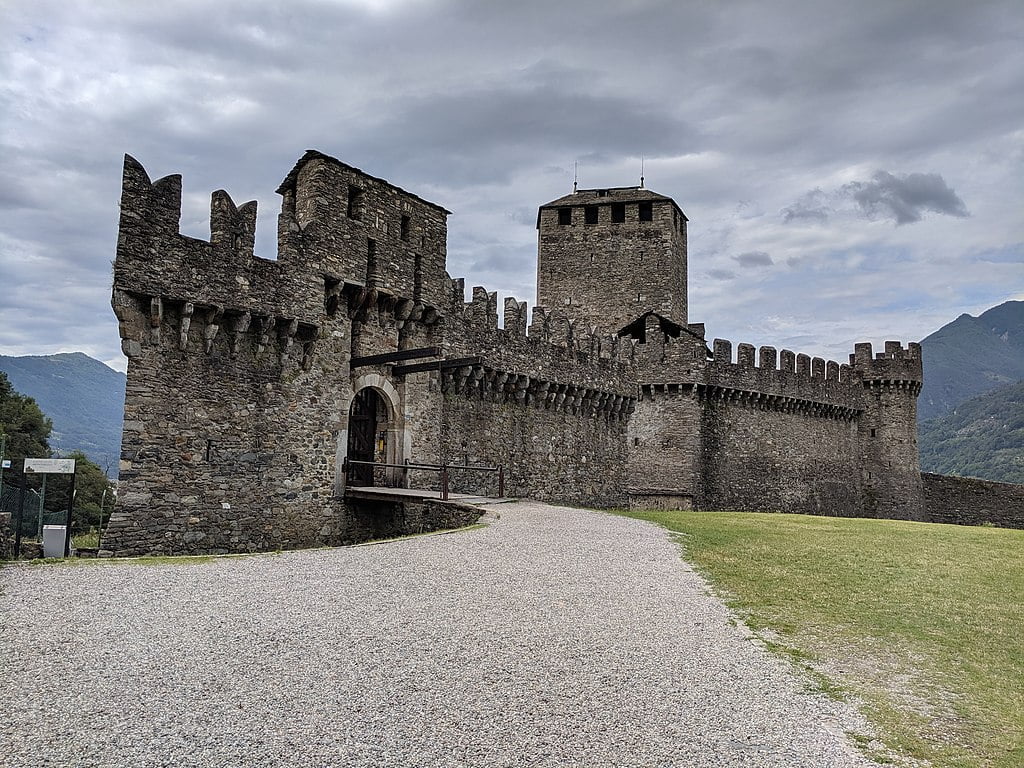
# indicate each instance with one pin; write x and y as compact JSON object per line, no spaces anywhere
{"x":250,"y":381}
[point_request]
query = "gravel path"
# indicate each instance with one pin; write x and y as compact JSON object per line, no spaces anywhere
{"x":552,"y":637}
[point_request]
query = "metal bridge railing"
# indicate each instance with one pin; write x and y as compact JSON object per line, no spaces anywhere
{"x":350,"y":468}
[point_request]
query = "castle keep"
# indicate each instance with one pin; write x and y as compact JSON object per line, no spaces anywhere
{"x":251,"y":381}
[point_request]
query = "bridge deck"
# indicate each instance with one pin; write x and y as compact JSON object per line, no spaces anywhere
{"x":415,"y":494}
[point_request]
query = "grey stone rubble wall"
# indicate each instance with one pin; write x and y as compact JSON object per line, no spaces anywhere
{"x":969,"y":501}
{"x":549,"y":402}
{"x":812,"y":465}
{"x":227,"y":449}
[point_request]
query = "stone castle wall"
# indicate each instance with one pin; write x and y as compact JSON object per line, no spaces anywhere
{"x":969,"y":501}
{"x":242,"y":374}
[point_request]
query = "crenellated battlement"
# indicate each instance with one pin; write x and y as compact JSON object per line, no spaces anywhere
{"x":781,"y":374}
{"x":897,"y":365}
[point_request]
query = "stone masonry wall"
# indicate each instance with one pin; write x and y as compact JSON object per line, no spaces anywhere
{"x":222,"y":450}
{"x":757,"y":458}
{"x":969,"y":501}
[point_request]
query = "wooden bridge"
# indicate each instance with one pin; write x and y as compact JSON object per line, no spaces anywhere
{"x":360,"y":482}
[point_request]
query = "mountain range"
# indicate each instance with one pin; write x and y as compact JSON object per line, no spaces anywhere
{"x":82,"y":397}
{"x":970,"y":412}
{"x":971,"y":356}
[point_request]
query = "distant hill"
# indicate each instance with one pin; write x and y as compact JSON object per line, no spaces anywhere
{"x":971,"y":356}
{"x":82,"y":397}
{"x":983,"y":437}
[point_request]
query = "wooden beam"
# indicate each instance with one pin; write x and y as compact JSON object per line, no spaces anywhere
{"x":437,"y":365}
{"x":394,"y":357}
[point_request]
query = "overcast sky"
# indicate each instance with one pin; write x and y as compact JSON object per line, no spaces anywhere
{"x":851,"y":171}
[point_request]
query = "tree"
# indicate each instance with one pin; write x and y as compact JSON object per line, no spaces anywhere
{"x":26,"y":428}
{"x":27,"y":431}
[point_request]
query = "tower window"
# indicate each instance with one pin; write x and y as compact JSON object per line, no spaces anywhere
{"x":646,"y":211}
{"x":618,"y":213}
{"x":404,"y":228}
{"x":565,"y":216}
{"x":355,"y":202}
{"x":872,"y":433}
{"x":590,"y":214}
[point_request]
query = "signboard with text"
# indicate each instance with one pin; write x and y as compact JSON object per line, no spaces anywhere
{"x":50,"y":466}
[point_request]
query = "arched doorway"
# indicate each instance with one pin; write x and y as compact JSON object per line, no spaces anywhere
{"x":367,"y":434}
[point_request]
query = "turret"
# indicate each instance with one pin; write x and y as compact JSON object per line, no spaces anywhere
{"x":888,"y":429}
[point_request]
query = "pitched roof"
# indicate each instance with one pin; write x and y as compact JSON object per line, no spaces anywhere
{"x":312,"y":154}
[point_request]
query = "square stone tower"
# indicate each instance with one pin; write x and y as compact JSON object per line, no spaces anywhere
{"x":612,"y":255}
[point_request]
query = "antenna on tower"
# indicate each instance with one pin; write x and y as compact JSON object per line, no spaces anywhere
{"x":641,"y":171}
{"x":575,"y":174}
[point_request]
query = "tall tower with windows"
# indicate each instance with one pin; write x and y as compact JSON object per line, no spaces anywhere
{"x":613,"y":256}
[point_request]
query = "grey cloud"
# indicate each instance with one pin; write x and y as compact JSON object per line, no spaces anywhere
{"x":754,"y":259}
{"x":905,"y":198}
{"x":465,"y":102}
{"x":809,"y":207}
{"x":722,"y":274}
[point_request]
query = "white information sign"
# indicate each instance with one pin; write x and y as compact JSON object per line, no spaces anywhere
{"x":50,"y":466}
{"x":5,"y":464}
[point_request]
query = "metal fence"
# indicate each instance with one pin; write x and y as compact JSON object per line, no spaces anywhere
{"x":24,"y":505}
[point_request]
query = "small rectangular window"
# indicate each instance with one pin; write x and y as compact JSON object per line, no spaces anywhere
{"x":355,"y":202}
{"x":872,"y":433}
{"x":618,"y":213}
{"x":404,"y":229}
{"x":565,"y":216}
{"x":646,"y":211}
{"x":590,"y":214}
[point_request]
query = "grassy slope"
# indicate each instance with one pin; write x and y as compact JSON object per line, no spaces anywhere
{"x":924,"y":622}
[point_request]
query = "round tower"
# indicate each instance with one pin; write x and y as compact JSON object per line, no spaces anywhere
{"x":888,"y":430}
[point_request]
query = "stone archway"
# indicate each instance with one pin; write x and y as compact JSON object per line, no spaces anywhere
{"x":373,"y":429}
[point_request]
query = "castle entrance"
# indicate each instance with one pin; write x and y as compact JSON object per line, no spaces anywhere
{"x":367,"y":435}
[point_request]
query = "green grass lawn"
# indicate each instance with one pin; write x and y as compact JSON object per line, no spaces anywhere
{"x":924,"y":623}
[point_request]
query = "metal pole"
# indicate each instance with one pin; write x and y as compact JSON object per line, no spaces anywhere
{"x":39,"y":523}
{"x":99,"y":532}
{"x":501,"y":482}
{"x":3,"y":451}
{"x":21,"y":514}
{"x":444,"y":482}
{"x":67,"y":520}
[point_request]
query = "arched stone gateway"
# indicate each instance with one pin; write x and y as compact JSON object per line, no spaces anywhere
{"x":374,"y":431}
